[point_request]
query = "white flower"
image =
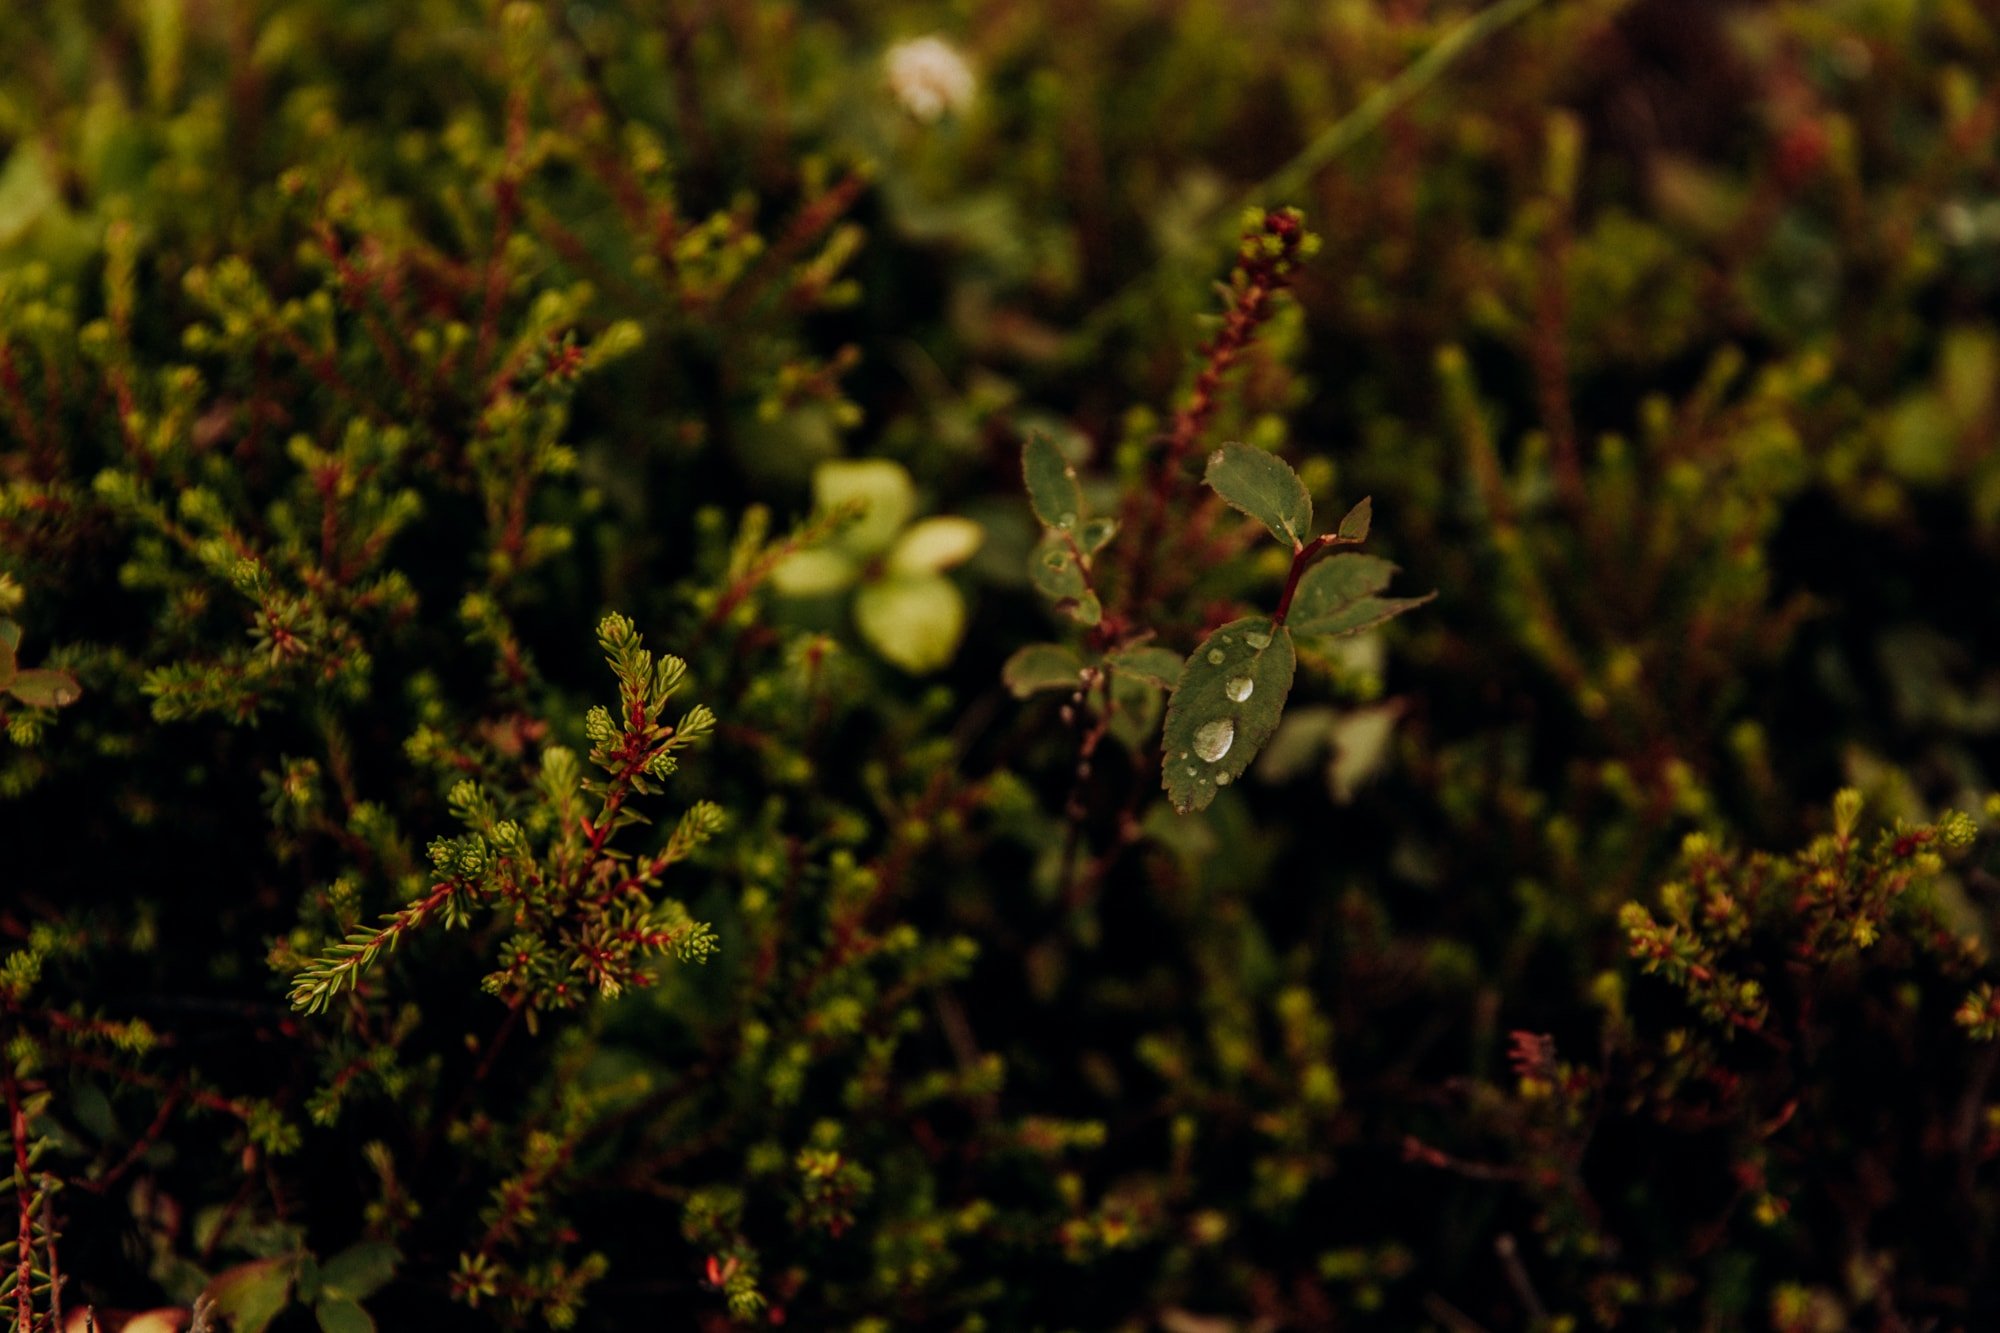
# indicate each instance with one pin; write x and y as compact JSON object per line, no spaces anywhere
{"x":929,"y":77}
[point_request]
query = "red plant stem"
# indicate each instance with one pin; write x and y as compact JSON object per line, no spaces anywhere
{"x":24,"y":1274}
{"x":1303,"y":559}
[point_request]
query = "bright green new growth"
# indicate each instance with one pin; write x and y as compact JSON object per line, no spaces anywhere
{"x":583,"y":914}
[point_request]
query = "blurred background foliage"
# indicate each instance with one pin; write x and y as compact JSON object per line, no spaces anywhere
{"x":356,"y":356}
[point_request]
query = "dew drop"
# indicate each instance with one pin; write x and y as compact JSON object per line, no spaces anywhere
{"x":1222,"y":779}
{"x":1214,"y":739}
{"x":1190,"y":771}
{"x":1215,"y":657}
{"x":1257,"y":641}
{"x":1066,"y":521}
{"x":1238,"y":688}
{"x":1056,"y":559}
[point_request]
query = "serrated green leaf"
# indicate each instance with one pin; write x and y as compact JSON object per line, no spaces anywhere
{"x":1263,"y":486}
{"x":340,"y":1316}
{"x":45,"y":688}
{"x":1336,"y":597}
{"x":1226,"y":704}
{"x":359,"y":1271}
{"x":1354,"y":525}
{"x":1041,"y":666}
{"x":1156,"y":666}
{"x":1052,"y":489}
{"x":915,"y":623}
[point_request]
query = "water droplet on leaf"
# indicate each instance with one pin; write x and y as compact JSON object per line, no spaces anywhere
{"x":1238,"y":688}
{"x":1215,"y":657}
{"x":1257,"y":641}
{"x":1222,"y":779}
{"x":1214,"y":739}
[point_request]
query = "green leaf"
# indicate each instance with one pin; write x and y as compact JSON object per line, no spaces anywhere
{"x":915,"y":623}
{"x":9,"y":663}
{"x":1226,"y":704}
{"x":337,"y":1316}
{"x":45,"y":688}
{"x":934,"y":545}
{"x":1263,"y":486}
{"x":814,"y":573}
{"x":1041,"y":666}
{"x":882,"y":486}
{"x":1058,"y":572}
{"x":10,"y":634}
{"x":1157,"y":666}
{"x":359,"y":1271}
{"x":1052,"y":488}
{"x":1354,"y":526}
{"x":1336,"y":597}
{"x":252,"y":1294}
{"x":1096,"y":534}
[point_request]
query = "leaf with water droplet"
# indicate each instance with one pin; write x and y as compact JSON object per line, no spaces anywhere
{"x":1354,"y":527}
{"x":1336,"y":597}
{"x":1052,"y":488}
{"x":45,"y":688}
{"x":1207,"y":719}
{"x":1156,"y":666}
{"x":1096,"y":534}
{"x":1041,"y":666}
{"x":1056,"y":570}
{"x":1263,"y":486}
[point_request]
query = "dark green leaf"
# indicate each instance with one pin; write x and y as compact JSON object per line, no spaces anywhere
{"x":1226,"y":704}
{"x":343,"y":1317}
{"x":45,"y":689}
{"x":1158,"y":666}
{"x":359,"y":1271}
{"x":1041,"y":666}
{"x":1354,"y":527}
{"x":1052,"y":488}
{"x":1263,"y":486}
{"x":1336,"y":597}
{"x":10,"y":634}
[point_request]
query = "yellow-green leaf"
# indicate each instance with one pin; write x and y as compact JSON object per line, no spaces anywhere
{"x":934,"y":545}
{"x":915,"y":623}
{"x":883,"y":488}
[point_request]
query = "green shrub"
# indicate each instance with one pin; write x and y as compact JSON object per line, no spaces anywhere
{"x":441,"y":442}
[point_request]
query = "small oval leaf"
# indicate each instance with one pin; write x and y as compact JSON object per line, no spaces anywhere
{"x":914,"y":622}
{"x":933,"y":545}
{"x":1052,"y":488}
{"x":1354,"y":527}
{"x":1041,"y":666}
{"x":1155,"y":666}
{"x":1226,"y":704}
{"x":1263,"y":486}
{"x":45,"y":688}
